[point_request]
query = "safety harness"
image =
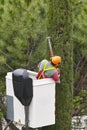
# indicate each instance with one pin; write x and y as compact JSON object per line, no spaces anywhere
{"x":41,"y":76}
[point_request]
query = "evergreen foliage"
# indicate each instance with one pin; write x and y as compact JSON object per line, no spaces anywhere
{"x":79,"y":35}
{"x":59,"y":25}
{"x":22,"y":34}
{"x":80,"y":56}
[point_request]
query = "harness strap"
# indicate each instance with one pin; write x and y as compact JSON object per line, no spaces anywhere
{"x":46,"y":69}
{"x":41,"y":76}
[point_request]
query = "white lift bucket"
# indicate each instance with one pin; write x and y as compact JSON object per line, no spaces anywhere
{"x":42,"y":106}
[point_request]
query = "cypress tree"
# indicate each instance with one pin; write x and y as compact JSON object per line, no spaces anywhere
{"x":59,"y":27}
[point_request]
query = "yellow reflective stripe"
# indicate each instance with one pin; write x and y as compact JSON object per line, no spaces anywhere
{"x":45,"y":65}
{"x":45,"y":69}
{"x":52,"y":68}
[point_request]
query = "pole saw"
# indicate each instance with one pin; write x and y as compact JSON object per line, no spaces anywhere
{"x":51,"y":51}
{"x":50,"y":46}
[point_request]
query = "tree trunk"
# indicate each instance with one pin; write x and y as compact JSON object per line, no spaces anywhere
{"x":59,"y":27}
{"x":0,"y":125}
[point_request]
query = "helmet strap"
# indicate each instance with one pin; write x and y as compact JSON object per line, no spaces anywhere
{"x":53,"y":64}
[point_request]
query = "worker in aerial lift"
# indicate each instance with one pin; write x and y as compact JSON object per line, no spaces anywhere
{"x":49,"y":69}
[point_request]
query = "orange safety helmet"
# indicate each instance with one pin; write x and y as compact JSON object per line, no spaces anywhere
{"x":56,"y":60}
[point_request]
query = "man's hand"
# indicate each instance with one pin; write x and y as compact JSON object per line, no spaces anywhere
{"x":58,"y":70}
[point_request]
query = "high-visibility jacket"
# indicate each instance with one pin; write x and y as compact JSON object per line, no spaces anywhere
{"x":47,"y":70}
